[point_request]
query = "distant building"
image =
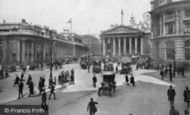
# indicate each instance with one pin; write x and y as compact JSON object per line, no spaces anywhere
{"x":23,"y":43}
{"x":92,"y":43}
{"x":124,"y":40}
{"x":170,"y":30}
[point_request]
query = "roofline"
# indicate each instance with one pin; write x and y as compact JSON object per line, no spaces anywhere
{"x":168,"y":5}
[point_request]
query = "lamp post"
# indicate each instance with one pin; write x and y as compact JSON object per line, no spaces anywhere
{"x":52,"y":43}
{"x":174,"y":63}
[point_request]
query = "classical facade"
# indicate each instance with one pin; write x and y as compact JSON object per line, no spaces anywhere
{"x":124,"y":40}
{"x":92,"y":43}
{"x":23,"y":43}
{"x":170,"y":30}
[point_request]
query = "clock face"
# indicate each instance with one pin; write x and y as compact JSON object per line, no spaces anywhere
{"x":147,"y":18}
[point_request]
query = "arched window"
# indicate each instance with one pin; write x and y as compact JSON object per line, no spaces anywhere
{"x":170,"y":51}
{"x":187,"y":50}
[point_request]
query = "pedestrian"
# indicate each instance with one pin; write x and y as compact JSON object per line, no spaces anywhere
{"x":40,"y":85}
{"x":162,"y":73}
{"x":72,"y":81}
{"x":50,"y":81}
{"x":52,"y":91}
{"x":92,"y":107}
{"x":31,"y":87}
{"x":171,"y":95}
{"x":132,"y":80}
{"x":127,"y":79}
{"x":29,"y":79}
{"x":173,"y":111}
{"x":44,"y":99}
{"x":22,"y":76}
{"x":20,"y":90}
{"x":88,"y":68}
{"x":7,"y":72}
{"x":186,"y":95}
{"x":170,"y":73}
{"x":16,"y":81}
{"x":94,"y":79}
{"x":72,"y":71}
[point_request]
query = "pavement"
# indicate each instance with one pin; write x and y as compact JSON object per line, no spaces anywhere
{"x":10,"y":93}
{"x":147,"y":98}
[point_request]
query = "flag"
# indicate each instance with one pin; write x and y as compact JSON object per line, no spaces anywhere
{"x":122,"y":12}
{"x":70,"y":21}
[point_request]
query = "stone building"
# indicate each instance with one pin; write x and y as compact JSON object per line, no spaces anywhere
{"x":92,"y":43}
{"x":170,"y":40}
{"x":23,"y":43}
{"x":124,"y":40}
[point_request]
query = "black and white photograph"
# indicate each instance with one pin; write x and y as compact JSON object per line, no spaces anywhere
{"x":94,"y":57}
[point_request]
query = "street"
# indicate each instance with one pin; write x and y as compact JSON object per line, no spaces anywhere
{"x":148,"y":97}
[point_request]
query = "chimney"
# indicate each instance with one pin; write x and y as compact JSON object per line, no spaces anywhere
{"x":4,"y":21}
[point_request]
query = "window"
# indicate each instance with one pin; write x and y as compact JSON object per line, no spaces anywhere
{"x":187,"y":50}
{"x":170,"y":50}
{"x":170,"y":28}
{"x":187,"y":12}
{"x":187,"y":27}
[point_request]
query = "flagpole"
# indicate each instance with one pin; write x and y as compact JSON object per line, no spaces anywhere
{"x":71,"y":26}
{"x":122,"y":17}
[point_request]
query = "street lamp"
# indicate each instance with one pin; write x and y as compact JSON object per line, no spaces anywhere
{"x":174,"y":63}
{"x":52,"y":43}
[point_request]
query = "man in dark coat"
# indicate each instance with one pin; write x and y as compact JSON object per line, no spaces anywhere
{"x":186,"y":95}
{"x":44,"y":99}
{"x":40,"y":85}
{"x":171,"y":95}
{"x":29,"y":79}
{"x":16,"y":82}
{"x":72,"y":79}
{"x":52,"y":91}
{"x":94,"y":79}
{"x":20,"y":90}
{"x":162,"y":73}
{"x":31,"y":87}
{"x":92,"y":107}
{"x":127,"y":79}
{"x":132,"y":80}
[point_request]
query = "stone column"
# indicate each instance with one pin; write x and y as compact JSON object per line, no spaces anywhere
{"x":32,"y":51}
{"x":130,"y":46}
{"x":23,"y":51}
{"x":18,"y":51}
{"x":119,"y":46}
{"x":104,"y":47}
{"x":114,"y":44}
{"x":142,"y":46}
{"x":44,"y":50}
{"x":124,"y":46}
{"x":136,"y":45}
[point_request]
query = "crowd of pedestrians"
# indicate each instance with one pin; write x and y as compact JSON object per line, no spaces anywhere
{"x":170,"y":71}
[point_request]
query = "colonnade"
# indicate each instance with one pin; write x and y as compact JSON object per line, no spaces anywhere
{"x":119,"y":46}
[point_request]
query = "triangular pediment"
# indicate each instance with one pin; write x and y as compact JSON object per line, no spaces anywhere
{"x":122,"y":30}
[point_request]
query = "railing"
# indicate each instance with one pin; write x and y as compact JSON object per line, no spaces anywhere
{"x":23,"y":33}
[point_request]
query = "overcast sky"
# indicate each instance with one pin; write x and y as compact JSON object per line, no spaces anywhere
{"x":88,"y":16}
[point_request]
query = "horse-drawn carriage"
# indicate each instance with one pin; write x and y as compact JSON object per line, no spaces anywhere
{"x":108,"y":84}
{"x":96,"y":65}
{"x":125,"y":65}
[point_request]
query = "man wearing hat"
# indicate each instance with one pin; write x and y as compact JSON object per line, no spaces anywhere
{"x":44,"y":98}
